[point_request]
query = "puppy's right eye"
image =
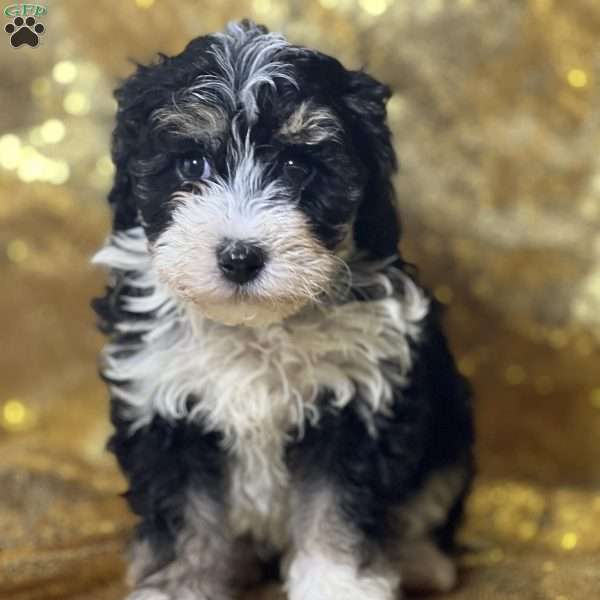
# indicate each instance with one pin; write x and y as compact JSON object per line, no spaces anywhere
{"x":296,"y":171}
{"x":193,"y":167}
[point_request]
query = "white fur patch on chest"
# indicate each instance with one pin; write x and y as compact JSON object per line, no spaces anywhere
{"x":257,"y":386}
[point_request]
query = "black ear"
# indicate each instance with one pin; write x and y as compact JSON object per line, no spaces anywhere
{"x":377,"y":228}
{"x":136,"y":98}
{"x":120,"y":197}
{"x":124,"y":141}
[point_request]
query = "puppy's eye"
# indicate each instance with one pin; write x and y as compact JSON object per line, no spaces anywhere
{"x":193,"y":167}
{"x":297,"y":172}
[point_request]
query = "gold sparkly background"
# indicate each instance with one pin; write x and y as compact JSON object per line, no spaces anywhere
{"x":497,"y":124}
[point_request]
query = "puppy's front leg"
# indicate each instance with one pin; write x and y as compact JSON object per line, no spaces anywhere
{"x":184,"y":549}
{"x":198,"y":563}
{"x":330,"y":559}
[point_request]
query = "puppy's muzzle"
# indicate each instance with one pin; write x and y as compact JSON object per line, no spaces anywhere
{"x":240,"y":262}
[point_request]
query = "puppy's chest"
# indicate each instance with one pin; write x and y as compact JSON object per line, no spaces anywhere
{"x":259,"y":388}
{"x":259,"y":491}
{"x":256,"y":385}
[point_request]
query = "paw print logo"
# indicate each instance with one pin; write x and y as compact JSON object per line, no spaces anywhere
{"x":24,"y":31}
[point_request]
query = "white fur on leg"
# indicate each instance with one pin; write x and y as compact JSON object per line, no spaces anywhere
{"x":148,"y":594}
{"x":318,"y":577}
{"x":325,"y":562}
{"x":203,"y":564}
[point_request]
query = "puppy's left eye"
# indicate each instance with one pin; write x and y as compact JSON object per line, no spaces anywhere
{"x":193,"y":167}
{"x":297,"y":172}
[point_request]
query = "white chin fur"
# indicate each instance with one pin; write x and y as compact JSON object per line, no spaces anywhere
{"x":233,"y":313}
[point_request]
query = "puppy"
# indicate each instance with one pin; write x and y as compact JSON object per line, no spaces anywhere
{"x":281,"y":389}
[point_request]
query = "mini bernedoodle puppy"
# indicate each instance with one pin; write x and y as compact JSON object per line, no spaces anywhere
{"x":282,"y":393}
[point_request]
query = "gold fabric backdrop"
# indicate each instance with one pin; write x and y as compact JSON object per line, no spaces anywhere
{"x":497,"y":124}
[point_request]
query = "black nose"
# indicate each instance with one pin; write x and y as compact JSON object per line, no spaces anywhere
{"x":239,"y":261}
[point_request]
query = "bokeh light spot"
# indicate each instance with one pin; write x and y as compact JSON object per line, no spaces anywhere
{"x":52,"y":131}
{"x":64,"y":72}
{"x":104,"y":166}
{"x":10,"y":151}
{"x":17,"y":251}
{"x":31,"y":165}
{"x":595,"y":398}
{"x":444,"y":294}
{"x":76,"y":103}
{"x":569,"y":541}
{"x":58,"y":172}
{"x":262,"y":6}
{"x":35,"y":136}
{"x":467,"y":365}
{"x":13,"y":412}
{"x":374,"y":7}
{"x":577,"y":78}
{"x":14,"y":415}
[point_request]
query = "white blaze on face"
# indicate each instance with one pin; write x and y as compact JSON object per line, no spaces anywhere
{"x":297,"y":269}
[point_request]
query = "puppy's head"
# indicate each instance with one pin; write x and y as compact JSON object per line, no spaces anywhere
{"x":253,"y":165}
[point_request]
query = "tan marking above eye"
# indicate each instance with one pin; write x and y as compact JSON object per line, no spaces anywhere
{"x":191,"y":120}
{"x":310,"y":124}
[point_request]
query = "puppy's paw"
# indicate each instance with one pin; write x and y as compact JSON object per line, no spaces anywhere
{"x":148,"y":594}
{"x":318,"y":577}
{"x":424,"y":568}
{"x":176,"y":593}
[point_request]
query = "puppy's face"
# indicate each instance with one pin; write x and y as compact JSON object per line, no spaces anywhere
{"x":246,"y":174}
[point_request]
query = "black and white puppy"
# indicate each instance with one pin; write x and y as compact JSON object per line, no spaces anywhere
{"x":280,"y":385}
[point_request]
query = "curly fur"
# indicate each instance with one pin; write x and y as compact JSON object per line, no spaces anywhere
{"x":313,"y":413}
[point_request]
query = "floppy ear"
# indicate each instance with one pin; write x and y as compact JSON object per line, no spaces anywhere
{"x":124,"y":141}
{"x":376,"y":228}
{"x":120,"y":197}
{"x":136,"y":98}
